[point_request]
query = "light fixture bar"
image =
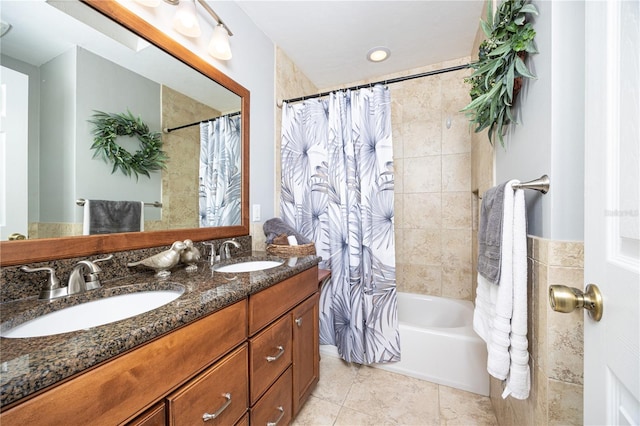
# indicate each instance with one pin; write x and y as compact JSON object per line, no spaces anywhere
{"x":214,"y":15}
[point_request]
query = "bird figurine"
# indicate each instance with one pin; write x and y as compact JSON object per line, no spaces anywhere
{"x":190,"y":256}
{"x":163,"y":261}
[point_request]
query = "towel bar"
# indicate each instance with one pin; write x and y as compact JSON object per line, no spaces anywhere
{"x":81,"y":201}
{"x":541,"y":184}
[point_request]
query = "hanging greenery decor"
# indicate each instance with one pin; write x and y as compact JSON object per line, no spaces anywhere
{"x":150,"y":157}
{"x":500,"y":68}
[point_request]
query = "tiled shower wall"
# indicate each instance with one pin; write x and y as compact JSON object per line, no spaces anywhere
{"x":433,"y":215}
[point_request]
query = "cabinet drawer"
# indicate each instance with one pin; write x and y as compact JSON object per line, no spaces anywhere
{"x":268,"y":304}
{"x":153,"y":417}
{"x":275,"y":406}
{"x":221,"y":389}
{"x":270,"y":355}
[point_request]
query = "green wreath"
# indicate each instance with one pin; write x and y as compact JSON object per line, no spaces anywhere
{"x":150,"y":157}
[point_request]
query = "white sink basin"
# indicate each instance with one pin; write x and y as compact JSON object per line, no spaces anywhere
{"x":253,"y":265}
{"x":94,"y":313}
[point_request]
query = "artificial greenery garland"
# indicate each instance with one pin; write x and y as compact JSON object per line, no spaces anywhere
{"x":109,"y":126}
{"x":500,"y":66}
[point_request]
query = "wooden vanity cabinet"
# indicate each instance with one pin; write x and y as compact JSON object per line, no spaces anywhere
{"x":288,"y":310}
{"x":258,"y":358}
{"x":306,"y":350}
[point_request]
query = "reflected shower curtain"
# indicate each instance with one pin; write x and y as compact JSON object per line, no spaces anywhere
{"x":337,"y":190}
{"x":220,"y":172}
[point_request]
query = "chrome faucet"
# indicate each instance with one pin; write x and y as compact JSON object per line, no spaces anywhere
{"x":225,"y":253}
{"x":84,"y":276}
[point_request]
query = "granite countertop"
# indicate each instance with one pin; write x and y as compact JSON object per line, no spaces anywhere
{"x":28,"y":365}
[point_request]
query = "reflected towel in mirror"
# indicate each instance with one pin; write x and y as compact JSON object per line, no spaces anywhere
{"x":108,"y":217}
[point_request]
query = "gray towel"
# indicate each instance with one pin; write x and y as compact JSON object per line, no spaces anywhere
{"x":276,"y":226}
{"x":490,"y":233}
{"x":107,"y":217}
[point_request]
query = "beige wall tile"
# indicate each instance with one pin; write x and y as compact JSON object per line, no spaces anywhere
{"x":565,"y":403}
{"x":456,"y":172}
{"x":422,"y":210}
{"x":422,"y":279}
{"x":566,"y":253}
{"x":456,"y":210}
{"x":422,"y":137}
{"x":422,"y":247}
{"x":457,"y":281}
{"x":422,"y":174}
{"x":398,"y":177}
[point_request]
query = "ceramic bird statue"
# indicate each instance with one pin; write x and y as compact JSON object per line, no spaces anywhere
{"x":190,"y":256}
{"x":163,"y":261}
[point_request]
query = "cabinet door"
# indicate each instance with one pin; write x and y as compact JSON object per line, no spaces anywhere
{"x":270,"y":354}
{"x":274,"y":408}
{"x":155,"y":416}
{"x":219,"y":394}
{"x":306,"y":350}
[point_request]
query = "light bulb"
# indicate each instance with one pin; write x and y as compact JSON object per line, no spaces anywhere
{"x":219,"y":45}
{"x":185,"y":20}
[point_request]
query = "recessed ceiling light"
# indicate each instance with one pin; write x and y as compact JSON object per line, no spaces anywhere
{"x":378,"y":54}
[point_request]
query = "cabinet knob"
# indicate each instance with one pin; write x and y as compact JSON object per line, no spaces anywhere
{"x":299,"y":322}
{"x":207,"y":416}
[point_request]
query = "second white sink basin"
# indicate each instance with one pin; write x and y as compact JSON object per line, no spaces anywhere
{"x":249,"y":266}
{"x":94,"y":313}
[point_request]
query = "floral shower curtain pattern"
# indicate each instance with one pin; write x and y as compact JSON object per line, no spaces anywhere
{"x":220,"y":172}
{"x":337,"y":189}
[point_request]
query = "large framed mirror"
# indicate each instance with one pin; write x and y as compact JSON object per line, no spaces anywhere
{"x":183,"y":90}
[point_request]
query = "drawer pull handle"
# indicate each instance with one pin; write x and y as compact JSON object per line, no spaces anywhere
{"x":281,"y":409}
{"x":280,"y":353}
{"x":207,"y":416}
{"x":299,"y":322}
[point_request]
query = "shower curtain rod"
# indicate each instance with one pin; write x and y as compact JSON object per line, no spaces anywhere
{"x":167,"y":130}
{"x":385,"y":82}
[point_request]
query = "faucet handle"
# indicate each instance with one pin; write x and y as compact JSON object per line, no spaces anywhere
{"x":52,"y":287}
{"x":103,"y":259}
{"x":212,"y":255}
{"x":52,"y":282}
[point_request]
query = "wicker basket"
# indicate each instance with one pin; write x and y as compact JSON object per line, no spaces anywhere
{"x":291,"y":251}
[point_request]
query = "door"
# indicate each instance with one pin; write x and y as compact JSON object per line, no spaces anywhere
{"x":612,"y":231}
{"x":14,"y":95}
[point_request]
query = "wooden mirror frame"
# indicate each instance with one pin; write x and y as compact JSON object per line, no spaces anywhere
{"x":38,"y":250}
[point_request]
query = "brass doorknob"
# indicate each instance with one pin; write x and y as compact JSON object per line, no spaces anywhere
{"x":567,"y":299}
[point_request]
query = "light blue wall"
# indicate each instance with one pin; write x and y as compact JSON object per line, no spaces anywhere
{"x":97,"y":78}
{"x":550,"y":137}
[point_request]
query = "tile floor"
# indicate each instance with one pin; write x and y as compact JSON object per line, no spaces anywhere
{"x":352,"y":395}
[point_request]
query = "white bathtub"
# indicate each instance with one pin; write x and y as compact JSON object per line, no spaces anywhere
{"x":438,"y":343}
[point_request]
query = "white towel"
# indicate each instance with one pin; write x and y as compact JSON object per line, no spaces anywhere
{"x":500,"y":314}
{"x":117,"y":225}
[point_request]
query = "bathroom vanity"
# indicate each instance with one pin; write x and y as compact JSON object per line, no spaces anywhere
{"x":236,"y":348}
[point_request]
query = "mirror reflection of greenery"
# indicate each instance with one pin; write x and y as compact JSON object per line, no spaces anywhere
{"x":108,"y":126}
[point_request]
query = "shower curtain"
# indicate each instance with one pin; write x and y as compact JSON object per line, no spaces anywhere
{"x":337,"y":189}
{"x":220,"y":172}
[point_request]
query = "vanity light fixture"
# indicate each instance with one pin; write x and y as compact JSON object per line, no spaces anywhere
{"x":378,"y":54}
{"x":185,"y":22}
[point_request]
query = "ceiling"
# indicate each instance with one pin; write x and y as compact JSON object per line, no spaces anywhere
{"x":329,"y":40}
